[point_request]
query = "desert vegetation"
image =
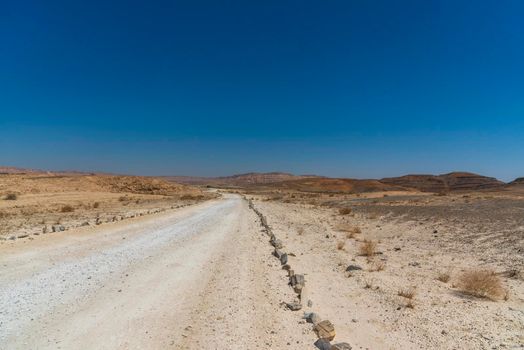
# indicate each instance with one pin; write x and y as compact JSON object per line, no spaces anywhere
{"x":67,"y":209}
{"x":482,"y":283}
{"x":368,"y":248}
{"x":344,"y":211}
{"x":11,"y":197}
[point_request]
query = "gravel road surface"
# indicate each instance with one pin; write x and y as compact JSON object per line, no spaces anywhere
{"x":196,"y":277}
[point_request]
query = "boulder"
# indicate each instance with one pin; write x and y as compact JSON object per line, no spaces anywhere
{"x":325,"y":330}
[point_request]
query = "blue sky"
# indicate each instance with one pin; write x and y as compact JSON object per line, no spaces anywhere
{"x":338,"y":88}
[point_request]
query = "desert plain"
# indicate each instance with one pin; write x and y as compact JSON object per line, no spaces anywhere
{"x":260,"y":261}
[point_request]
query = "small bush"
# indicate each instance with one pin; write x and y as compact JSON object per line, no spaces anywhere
{"x":122,"y":198}
{"x":300,"y":231}
{"x":368,"y":248}
{"x":67,"y":209}
{"x":340,"y":245}
{"x":344,"y":211}
{"x":368,"y":284}
{"x":377,"y":266}
{"x":482,"y":284}
{"x":444,"y":277}
{"x":187,"y":197}
{"x":408,"y":293}
{"x":11,"y":197}
{"x":96,"y":205}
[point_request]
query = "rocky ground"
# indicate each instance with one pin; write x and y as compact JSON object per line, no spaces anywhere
{"x":420,"y":238}
{"x":35,"y":204}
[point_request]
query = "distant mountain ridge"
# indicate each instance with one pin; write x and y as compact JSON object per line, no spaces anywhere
{"x":455,"y":181}
{"x":246,"y":179}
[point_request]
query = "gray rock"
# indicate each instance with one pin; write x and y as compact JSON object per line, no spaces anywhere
{"x":294,"y":306}
{"x":283,"y":259}
{"x":353,"y":268}
{"x":341,"y":346}
{"x":312,"y":317}
{"x":58,"y":228}
{"x":322,"y":344}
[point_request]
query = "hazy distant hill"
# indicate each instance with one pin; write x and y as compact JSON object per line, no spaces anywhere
{"x":15,"y":170}
{"x":240,"y":180}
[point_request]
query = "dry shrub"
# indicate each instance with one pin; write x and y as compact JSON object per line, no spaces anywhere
{"x":368,"y":284}
{"x":481,"y":283}
{"x":377,"y":266}
{"x":122,"y":198}
{"x":410,"y":304}
{"x":444,"y":276}
{"x":344,"y":211}
{"x":11,"y":197}
{"x":367,"y":248}
{"x":408,"y":293}
{"x":350,"y":235}
{"x":340,"y":245}
{"x":189,"y":197}
{"x":96,"y":205}
{"x":67,"y":209}
{"x":300,"y":231}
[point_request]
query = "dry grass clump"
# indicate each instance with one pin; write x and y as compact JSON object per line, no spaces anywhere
{"x":67,"y":209}
{"x":122,"y":198}
{"x":96,"y":205}
{"x":341,"y":245}
{"x":444,"y":276}
{"x":344,"y":211}
{"x":410,"y":304}
{"x":482,"y":283}
{"x":377,"y":266}
{"x":368,"y":284}
{"x":190,"y":197}
{"x":408,"y":293}
{"x":368,"y":248}
{"x":352,"y":232}
{"x":300,"y":231}
{"x":11,"y":197}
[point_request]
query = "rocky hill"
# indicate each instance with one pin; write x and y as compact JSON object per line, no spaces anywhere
{"x":58,"y":183}
{"x":334,"y":185}
{"x":456,"y":181}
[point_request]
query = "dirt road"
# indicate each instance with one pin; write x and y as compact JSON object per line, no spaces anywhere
{"x":199,"y":277}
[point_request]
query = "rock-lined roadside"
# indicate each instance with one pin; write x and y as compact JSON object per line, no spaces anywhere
{"x":98,"y":220}
{"x":324,"y":329}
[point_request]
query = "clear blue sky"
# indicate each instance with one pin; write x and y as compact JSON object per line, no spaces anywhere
{"x":338,"y":88}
